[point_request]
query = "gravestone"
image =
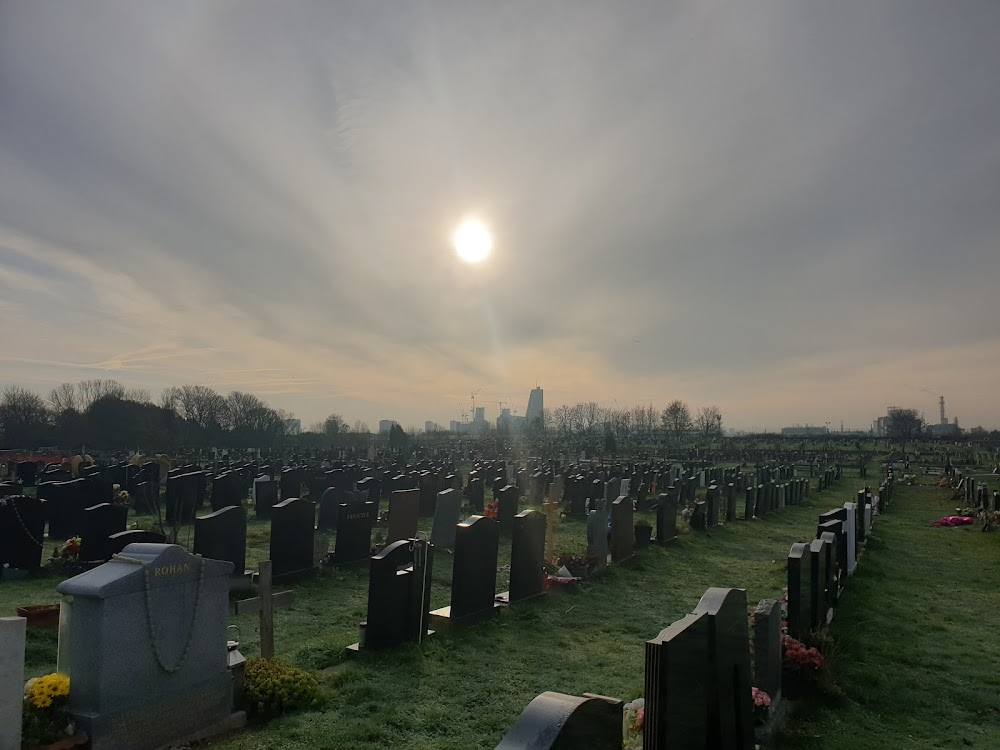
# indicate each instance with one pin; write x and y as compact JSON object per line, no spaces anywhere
{"x":835,"y":521}
{"x":329,"y":509}
{"x":851,"y":527}
{"x":730,"y":502}
{"x":820,"y":579}
{"x":698,"y":520}
{"x":527,"y":558}
{"x":222,"y":535}
{"x":474,"y":573}
{"x":666,"y":516}
{"x":354,"y":531}
{"x":730,"y":706}
{"x":399,"y":593}
{"x":800,"y":592}
{"x":622,"y":531}
{"x":597,"y":538}
{"x":676,"y":686}
{"x":446,"y":517}
{"x":506,"y":508}
{"x":476,"y":494}
{"x":830,"y":589}
{"x":291,"y":483}
{"x":767,"y":651}
{"x":22,"y":532}
{"x":12,"y":638}
{"x":139,"y":688}
{"x":118,"y":542}
{"x":404,"y":514}
{"x":267,"y":497}
{"x":100,"y":522}
{"x":293,"y":534}
{"x":554,"y":721}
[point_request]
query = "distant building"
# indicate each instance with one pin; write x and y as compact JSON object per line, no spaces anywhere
{"x":510,"y":422}
{"x":803,"y":431}
{"x":431,"y":426}
{"x":535,"y":406}
{"x":293,"y":426}
{"x":385,"y":425}
{"x":455,"y":426}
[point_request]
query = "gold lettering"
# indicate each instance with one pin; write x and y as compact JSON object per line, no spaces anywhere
{"x":169,"y":570}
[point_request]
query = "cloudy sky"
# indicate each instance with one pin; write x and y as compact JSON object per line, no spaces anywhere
{"x":787,"y":209}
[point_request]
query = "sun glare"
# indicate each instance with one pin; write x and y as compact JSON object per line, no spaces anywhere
{"x":472,"y":240}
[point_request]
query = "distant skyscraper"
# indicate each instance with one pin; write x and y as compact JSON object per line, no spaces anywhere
{"x":385,"y":425}
{"x":534,"y":410}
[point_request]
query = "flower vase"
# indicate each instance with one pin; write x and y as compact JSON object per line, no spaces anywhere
{"x":577,"y":571}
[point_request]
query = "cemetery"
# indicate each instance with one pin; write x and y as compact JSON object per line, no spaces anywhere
{"x":461,"y":602}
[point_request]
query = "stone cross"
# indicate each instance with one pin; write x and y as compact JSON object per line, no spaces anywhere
{"x":551,"y":510}
{"x":265,"y":604}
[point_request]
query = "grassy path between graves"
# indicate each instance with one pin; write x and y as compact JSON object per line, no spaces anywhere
{"x":464,"y":689}
{"x":915,"y":664}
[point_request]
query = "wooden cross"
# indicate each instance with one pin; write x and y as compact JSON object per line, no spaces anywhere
{"x":551,"y":510}
{"x":265,"y":604}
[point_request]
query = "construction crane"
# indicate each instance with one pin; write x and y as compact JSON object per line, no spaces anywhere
{"x":473,"y":397}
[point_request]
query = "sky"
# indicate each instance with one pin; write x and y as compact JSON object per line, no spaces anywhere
{"x":785,"y":209}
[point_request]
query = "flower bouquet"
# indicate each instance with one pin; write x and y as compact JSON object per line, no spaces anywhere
{"x":45,"y":722}
{"x":632,"y":721}
{"x":492,"y":510}
{"x":801,"y":667}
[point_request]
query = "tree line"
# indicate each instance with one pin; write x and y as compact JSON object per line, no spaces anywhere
{"x":674,"y":421}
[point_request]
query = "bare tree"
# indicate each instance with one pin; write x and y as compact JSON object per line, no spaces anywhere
{"x":562,"y":419}
{"x":89,"y":391}
{"x":709,"y":420}
{"x":23,"y":416}
{"x":360,"y":428}
{"x":63,"y":398}
{"x":333,"y":425}
{"x":590,"y":414}
{"x":676,"y":419}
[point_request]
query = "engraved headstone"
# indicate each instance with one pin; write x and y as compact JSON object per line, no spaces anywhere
{"x":139,"y":688}
{"x":474,"y":572}
{"x":99,"y":523}
{"x":446,"y":517}
{"x":293,"y":531}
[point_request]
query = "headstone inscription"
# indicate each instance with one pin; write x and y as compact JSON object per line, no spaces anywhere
{"x":474,"y":573}
{"x":399,"y":595}
{"x":554,"y":721}
{"x":139,"y":688}
{"x":354,"y":531}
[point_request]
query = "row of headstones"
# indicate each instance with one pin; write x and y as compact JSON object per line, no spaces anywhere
{"x":698,"y":671}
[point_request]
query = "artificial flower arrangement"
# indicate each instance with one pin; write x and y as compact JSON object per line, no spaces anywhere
{"x":70,"y":549}
{"x":492,"y":510}
{"x":801,"y":659}
{"x":44,"y":718}
{"x":761,"y":706}
{"x":632,"y":720}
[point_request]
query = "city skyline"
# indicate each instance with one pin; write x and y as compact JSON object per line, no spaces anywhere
{"x":785,"y":210}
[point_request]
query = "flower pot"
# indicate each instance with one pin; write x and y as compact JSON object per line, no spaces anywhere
{"x":40,"y":615}
{"x":80,"y":738}
{"x":642,"y":536}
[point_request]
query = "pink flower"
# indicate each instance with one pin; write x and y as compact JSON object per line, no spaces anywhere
{"x":640,"y":717}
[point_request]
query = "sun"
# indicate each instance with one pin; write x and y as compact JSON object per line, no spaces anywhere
{"x":472,"y":240}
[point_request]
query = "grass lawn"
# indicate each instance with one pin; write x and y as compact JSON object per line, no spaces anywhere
{"x":910,"y":607}
{"x":915,"y":663}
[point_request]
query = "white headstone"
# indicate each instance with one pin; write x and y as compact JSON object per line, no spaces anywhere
{"x":851,"y":530}
{"x":626,"y":483}
{"x":11,"y":680}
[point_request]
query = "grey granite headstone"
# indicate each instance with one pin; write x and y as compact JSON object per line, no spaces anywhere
{"x":554,"y":721}
{"x":767,"y":648}
{"x":446,"y":516}
{"x":851,"y":527}
{"x":147,"y":648}
{"x":597,"y":538}
{"x":11,"y":680}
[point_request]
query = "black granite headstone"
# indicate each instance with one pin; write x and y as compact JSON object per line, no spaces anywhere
{"x":100,"y":522}
{"x":293,"y":529}
{"x":222,"y":535}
